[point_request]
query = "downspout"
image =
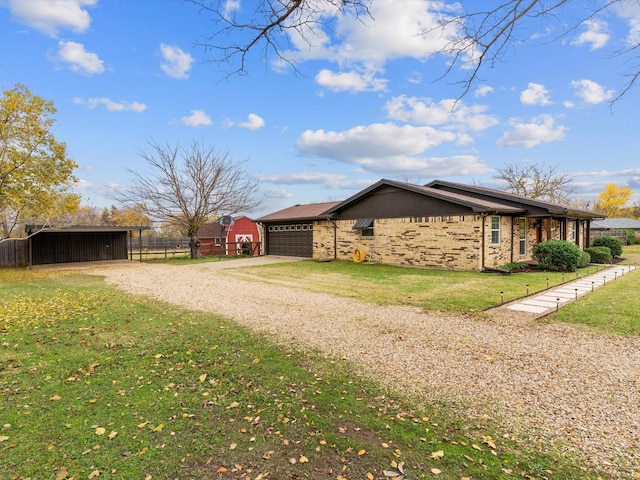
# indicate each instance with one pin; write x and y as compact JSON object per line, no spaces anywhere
{"x":335,"y":237}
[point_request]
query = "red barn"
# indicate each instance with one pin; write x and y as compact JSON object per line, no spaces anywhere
{"x":242,"y":237}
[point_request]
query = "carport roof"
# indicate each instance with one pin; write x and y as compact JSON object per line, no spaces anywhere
{"x":87,"y":228}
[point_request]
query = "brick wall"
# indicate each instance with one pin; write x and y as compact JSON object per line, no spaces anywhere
{"x":451,"y":242}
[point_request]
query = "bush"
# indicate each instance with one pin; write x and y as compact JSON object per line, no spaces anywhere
{"x":614,"y":244}
{"x":631,"y":236}
{"x":557,"y":255}
{"x":585,"y":258}
{"x":599,"y":254}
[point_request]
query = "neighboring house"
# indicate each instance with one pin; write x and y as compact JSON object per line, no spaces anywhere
{"x":242,"y":237}
{"x":441,"y":225}
{"x":615,"y":227}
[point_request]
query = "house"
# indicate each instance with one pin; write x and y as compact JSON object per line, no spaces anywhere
{"x":615,"y":227}
{"x":241,"y":237}
{"x":438,"y":225}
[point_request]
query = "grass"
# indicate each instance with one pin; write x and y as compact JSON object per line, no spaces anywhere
{"x":613,"y":309}
{"x":444,"y":290}
{"x":94,"y":382}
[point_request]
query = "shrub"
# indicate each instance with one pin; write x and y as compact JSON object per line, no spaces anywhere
{"x":631,"y":236}
{"x":599,"y":254}
{"x":614,"y":244}
{"x":557,"y":255}
{"x":585,"y":258}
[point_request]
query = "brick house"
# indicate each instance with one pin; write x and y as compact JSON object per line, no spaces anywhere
{"x":241,"y":237}
{"x":438,"y":225}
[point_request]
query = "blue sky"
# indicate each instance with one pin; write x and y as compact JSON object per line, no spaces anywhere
{"x":365,"y":103}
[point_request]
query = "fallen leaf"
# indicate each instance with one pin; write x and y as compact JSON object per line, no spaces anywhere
{"x":100,"y":431}
{"x":437,"y":455}
{"x":435,"y":471}
{"x":222,"y":470}
{"x":94,"y":474}
{"x":370,"y":476}
{"x":55,"y":398}
{"x":303,"y":459}
{"x":233,"y":405}
{"x":158,"y":428}
{"x":361,"y":452}
{"x":112,"y":435}
{"x":233,"y":446}
{"x":202,"y":377}
{"x":3,"y":438}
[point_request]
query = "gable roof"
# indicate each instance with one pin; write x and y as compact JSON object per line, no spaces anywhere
{"x":622,"y":223}
{"x":476,"y":205}
{"x":309,"y":211}
{"x":507,"y":197}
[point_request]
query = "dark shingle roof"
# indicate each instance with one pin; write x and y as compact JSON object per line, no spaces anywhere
{"x":307,"y":211}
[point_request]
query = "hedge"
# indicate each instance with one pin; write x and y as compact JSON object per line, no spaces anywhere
{"x":599,"y":254}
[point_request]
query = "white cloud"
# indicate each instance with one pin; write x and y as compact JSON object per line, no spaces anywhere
{"x":110,"y":105}
{"x":389,"y":149}
{"x":483,"y":91}
{"x":450,"y":113}
{"x":350,"y":81}
{"x":541,"y":129}
{"x":595,"y":35}
{"x":535,"y":94}
{"x":50,"y":16}
{"x":177,"y":62}
{"x":591,"y":92}
{"x":196,"y":119}
{"x":79,"y":59}
{"x":278,"y":193}
{"x":365,"y":45}
{"x":254,"y":122}
{"x":304,"y":178}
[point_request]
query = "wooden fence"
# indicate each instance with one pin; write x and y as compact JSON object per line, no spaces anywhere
{"x":14,"y":252}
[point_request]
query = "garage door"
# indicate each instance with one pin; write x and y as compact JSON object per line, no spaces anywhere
{"x":291,"y":239}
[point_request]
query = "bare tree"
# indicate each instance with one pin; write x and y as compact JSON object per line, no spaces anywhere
{"x":487,"y":32}
{"x":270,"y":28}
{"x":536,"y":181}
{"x":185,"y":187}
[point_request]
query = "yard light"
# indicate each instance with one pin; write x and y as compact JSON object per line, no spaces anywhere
{"x":576,"y":293}
{"x":527,"y":289}
{"x":592,"y":286}
{"x":557,"y":304}
{"x":563,"y":278}
{"x":547,"y":283}
{"x":615,"y":275}
{"x":501,"y":297}
{"x":604,"y":280}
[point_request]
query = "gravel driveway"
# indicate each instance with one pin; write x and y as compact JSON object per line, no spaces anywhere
{"x":544,"y":382}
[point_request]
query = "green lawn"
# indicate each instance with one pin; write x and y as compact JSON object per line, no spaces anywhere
{"x":97,"y":383}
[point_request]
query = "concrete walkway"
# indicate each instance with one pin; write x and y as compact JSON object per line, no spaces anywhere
{"x":547,"y":301}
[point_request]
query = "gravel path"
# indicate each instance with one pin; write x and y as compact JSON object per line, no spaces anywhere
{"x":545,"y":382}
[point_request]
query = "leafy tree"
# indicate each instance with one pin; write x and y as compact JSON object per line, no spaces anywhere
{"x":35,"y":173}
{"x":536,"y":181}
{"x":611,"y":201}
{"x":128,"y":216}
{"x":186,"y":186}
{"x":479,"y":34}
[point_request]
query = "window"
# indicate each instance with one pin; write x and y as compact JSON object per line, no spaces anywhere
{"x":217,"y":240}
{"x":523,"y":236}
{"x":365,"y":225}
{"x":304,"y":227}
{"x":495,"y":230}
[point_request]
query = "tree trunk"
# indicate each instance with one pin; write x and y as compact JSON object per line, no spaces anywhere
{"x":194,"y":247}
